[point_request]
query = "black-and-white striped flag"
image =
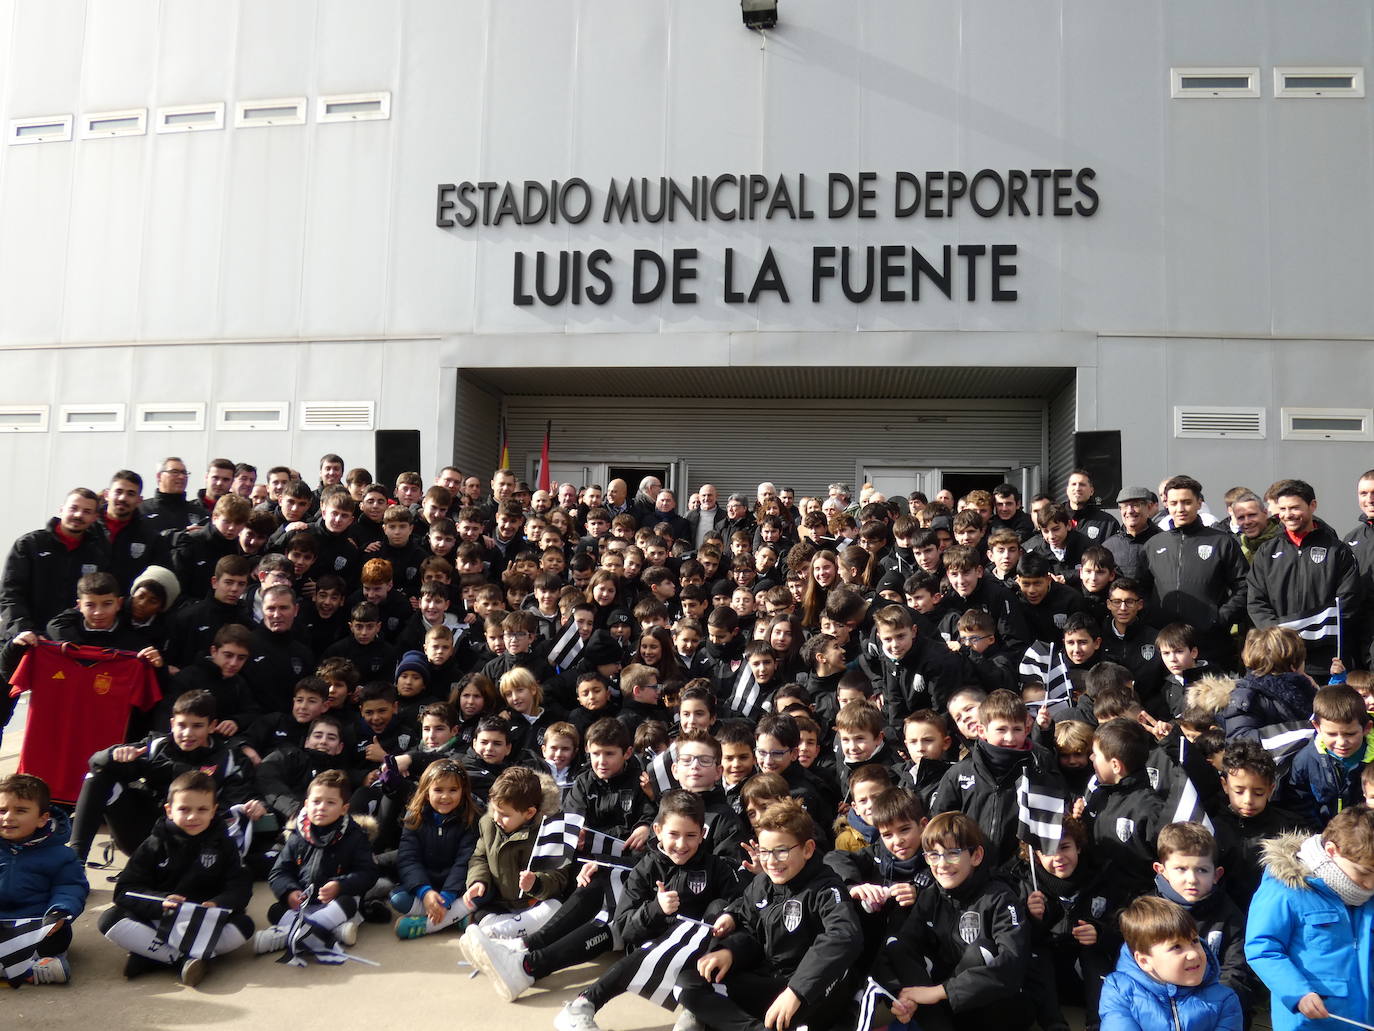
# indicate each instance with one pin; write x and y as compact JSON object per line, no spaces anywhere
{"x":311,"y":934}
{"x":662,"y":961}
{"x":567,"y":646}
{"x":745,"y":696}
{"x":868,"y":997}
{"x":1045,"y":662}
{"x":1285,"y":740}
{"x":1318,"y":626}
{"x":600,"y":847}
{"x":1040,"y":816}
{"x":1184,"y":804}
{"x":19,"y":945}
{"x":193,"y":930}
{"x":660,"y":771}
{"x":619,"y":874}
{"x":556,"y":844}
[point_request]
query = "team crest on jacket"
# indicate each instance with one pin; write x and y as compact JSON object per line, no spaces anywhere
{"x":1153,"y":774}
{"x":1318,"y":555}
{"x":1214,"y":942}
{"x":1204,"y":551}
{"x":970,"y":927}
{"x":1097,"y":906}
{"x":297,"y":666}
{"x":207,"y":860}
{"x":1092,"y":532}
{"x":1125,"y":827}
{"x":137,"y":549}
{"x":1060,"y":618}
{"x":791,"y":915}
{"x":696,"y":882}
{"x":1147,"y":652}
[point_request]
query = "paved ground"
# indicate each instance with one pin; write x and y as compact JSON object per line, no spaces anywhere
{"x":415,"y":979}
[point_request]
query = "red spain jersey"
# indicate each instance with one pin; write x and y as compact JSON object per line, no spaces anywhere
{"x":80,"y":699}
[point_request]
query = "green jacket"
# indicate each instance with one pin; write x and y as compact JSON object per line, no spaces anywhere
{"x":1248,"y":547}
{"x":501,"y":858}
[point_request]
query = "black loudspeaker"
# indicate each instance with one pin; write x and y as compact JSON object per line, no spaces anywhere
{"x":398,"y":451}
{"x":1099,"y":452}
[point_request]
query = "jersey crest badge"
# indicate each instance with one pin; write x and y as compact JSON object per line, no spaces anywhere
{"x":970,"y":927}
{"x":1147,"y":652}
{"x":1153,"y":774}
{"x":101,"y":683}
{"x":1204,"y":551}
{"x":1125,"y":827}
{"x":298,"y":666}
{"x":1318,"y":555}
{"x":207,"y":860}
{"x":1092,"y":532}
{"x":340,"y":561}
{"x":137,"y":549}
{"x":1060,"y":618}
{"x":1214,"y":942}
{"x":1097,"y":906}
{"x":696,"y":882}
{"x":791,"y":915}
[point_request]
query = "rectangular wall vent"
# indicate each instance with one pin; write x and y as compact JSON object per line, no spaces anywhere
{"x":252,"y":415}
{"x":1318,"y":82}
{"x":40,"y":129}
{"x":353,"y":107}
{"x":23,"y":418}
{"x":250,"y":114}
{"x":96,"y":418}
{"x":190,"y":117}
{"x":170,"y":417}
{"x":1327,"y":423}
{"x":1213,"y":83}
{"x":1219,"y":421}
{"x":337,"y":415}
{"x":103,"y":125}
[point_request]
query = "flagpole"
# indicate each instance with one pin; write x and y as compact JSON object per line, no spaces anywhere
{"x":1339,"y":649}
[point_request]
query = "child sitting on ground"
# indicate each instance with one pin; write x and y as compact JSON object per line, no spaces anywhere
{"x":189,"y":857}
{"x":324,"y":868}
{"x":438,"y":838}
{"x":39,"y":875}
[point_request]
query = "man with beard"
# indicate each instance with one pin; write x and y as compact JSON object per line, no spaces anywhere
{"x":135,"y":543}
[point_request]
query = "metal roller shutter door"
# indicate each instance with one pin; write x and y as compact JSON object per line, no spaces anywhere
{"x":804,"y":445}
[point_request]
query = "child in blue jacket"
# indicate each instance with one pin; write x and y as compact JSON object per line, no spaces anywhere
{"x":1165,"y":978}
{"x":1310,"y":936}
{"x":40,"y":876}
{"x":438,"y":838}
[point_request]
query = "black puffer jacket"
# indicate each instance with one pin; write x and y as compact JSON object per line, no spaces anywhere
{"x":1261,"y":701}
{"x":203,"y":868}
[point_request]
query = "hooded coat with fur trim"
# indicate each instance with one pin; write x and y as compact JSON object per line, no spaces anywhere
{"x":1302,"y":938}
{"x":1261,"y":701}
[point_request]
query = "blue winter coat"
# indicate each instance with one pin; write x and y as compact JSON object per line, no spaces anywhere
{"x":1318,"y":786}
{"x":41,"y":874}
{"x":1302,"y":938}
{"x":1132,"y":1000}
{"x":436,"y":854}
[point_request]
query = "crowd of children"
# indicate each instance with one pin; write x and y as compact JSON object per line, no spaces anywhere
{"x":786,"y":760}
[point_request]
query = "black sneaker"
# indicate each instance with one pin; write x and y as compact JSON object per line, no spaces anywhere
{"x":136,"y":965}
{"x":375,"y":911}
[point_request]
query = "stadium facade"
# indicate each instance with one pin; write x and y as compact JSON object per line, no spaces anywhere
{"x":906,"y":242}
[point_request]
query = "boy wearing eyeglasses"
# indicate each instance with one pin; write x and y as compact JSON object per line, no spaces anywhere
{"x":987,"y":662}
{"x":784,"y":952}
{"x":697,"y":768}
{"x":959,"y":960}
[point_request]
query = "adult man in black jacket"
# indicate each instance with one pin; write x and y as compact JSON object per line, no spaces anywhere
{"x":135,"y":542}
{"x":706,"y":511}
{"x":1088,"y":518}
{"x":169,"y":510}
{"x":1305,"y":578}
{"x":1130,"y":543}
{"x":1198,"y":572}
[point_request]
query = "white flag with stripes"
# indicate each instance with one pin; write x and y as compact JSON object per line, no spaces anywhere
{"x":662,"y":962}
{"x":620,"y":873}
{"x":1040,"y":815}
{"x":598,"y":846}
{"x":1184,"y":804}
{"x":193,"y":930}
{"x":1045,"y":662}
{"x":744,"y":696}
{"x":1318,"y":626}
{"x":18,"y":946}
{"x":556,"y":844}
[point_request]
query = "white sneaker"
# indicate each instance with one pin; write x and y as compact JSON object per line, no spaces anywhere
{"x":50,"y":970}
{"x":347,"y":932}
{"x":505,"y":969}
{"x":465,"y":944}
{"x":270,"y":939}
{"x":513,"y":925}
{"x":576,"y":1015}
{"x":687,"y":1022}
